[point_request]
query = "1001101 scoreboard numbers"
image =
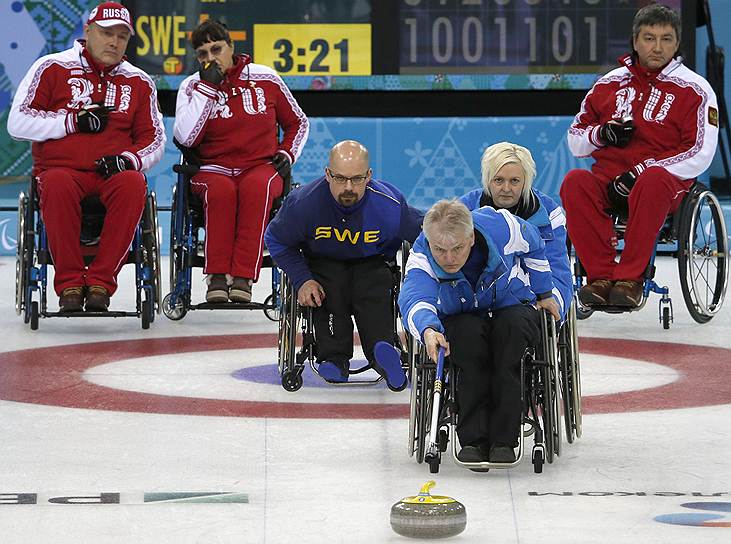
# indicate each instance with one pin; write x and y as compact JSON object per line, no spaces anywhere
{"x":514,"y":36}
{"x":314,"y":49}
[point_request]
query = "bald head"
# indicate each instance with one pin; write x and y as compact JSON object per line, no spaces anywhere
{"x":348,"y":154}
{"x":348,"y":171}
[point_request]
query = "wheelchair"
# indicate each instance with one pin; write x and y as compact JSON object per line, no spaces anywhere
{"x":33,"y":258}
{"x":551,"y":384}
{"x":187,"y":251}
{"x":697,"y":231}
{"x":294,"y":319}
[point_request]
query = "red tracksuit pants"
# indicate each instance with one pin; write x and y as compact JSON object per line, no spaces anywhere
{"x":236,"y":215}
{"x":656,"y":194}
{"x":61,"y":191}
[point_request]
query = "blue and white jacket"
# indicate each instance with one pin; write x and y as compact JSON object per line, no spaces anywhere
{"x":516,"y":270}
{"x":551,"y":223}
{"x":311,"y":223}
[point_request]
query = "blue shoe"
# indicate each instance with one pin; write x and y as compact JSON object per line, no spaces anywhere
{"x":332,"y":372}
{"x":388,"y":365}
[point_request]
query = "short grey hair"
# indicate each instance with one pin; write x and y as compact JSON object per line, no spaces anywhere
{"x":498,"y":155}
{"x":448,"y":220}
{"x":656,"y":14}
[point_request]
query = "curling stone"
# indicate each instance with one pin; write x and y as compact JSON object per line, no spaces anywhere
{"x":428,"y":516}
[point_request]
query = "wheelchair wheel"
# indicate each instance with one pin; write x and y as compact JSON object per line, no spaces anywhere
{"x":34,"y":316}
{"x":177,"y":259}
{"x":174,"y":313}
{"x":176,"y":250}
{"x":272,"y":310}
{"x":549,"y":395}
{"x":22,"y":258}
{"x":291,"y":377}
{"x":422,"y":382}
{"x":151,"y":242}
{"x":568,"y":354}
{"x":145,"y":314}
{"x":703,"y":256}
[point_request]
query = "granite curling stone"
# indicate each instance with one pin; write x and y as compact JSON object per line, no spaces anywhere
{"x":428,"y":516}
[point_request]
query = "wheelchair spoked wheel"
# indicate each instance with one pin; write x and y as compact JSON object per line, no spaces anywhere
{"x":151,"y":242}
{"x":174,"y":313}
{"x":570,"y":376}
{"x":177,"y":311}
{"x":419,"y":406}
{"x":546,"y":408}
{"x":272,"y":310}
{"x":291,"y":377}
{"x":582,"y":312}
{"x":551,"y":389}
{"x":21,"y":259}
{"x":703,"y":257}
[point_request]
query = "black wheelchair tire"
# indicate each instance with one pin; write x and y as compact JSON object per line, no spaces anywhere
{"x":271,"y":311}
{"x":34,"y":316}
{"x":145,"y":314}
{"x":685,"y":250}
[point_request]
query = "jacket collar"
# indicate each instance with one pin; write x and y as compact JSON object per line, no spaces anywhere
{"x":631,"y":63}
{"x":240,"y":62}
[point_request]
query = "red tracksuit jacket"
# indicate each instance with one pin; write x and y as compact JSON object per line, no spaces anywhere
{"x":60,"y":84}
{"x":235,"y":126}
{"x":675,"y":115}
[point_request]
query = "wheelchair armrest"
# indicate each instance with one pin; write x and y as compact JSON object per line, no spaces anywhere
{"x":186,"y":169}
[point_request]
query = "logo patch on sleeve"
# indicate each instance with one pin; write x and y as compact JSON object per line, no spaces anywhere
{"x":713,"y":116}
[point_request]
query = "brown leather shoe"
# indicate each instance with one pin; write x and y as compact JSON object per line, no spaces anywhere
{"x":97,"y":299}
{"x":596,"y":293}
{"x":626,"y":293}
{"x":71,"y":299}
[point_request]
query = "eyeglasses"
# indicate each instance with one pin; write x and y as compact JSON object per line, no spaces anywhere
{"x":342,"y":180}
{"x":214,"y":50}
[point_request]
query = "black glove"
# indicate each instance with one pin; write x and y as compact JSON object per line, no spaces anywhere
{"x":618,"y":193}
{"x":92,"y":118}
{"x":281,"y":164}
{"x":112,"y":164}
{"x":616,"y":133}
{"x":211,"y":73}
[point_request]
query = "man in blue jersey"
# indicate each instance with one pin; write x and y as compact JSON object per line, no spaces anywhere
{"x":474,"y":284}
{"x":333,"y":238}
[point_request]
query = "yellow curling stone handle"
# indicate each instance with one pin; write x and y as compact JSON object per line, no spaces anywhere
{"x":424,"y":497}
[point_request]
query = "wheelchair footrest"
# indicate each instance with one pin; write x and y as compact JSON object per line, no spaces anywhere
{"x":232,"y":306}
{"x":109,"y":313}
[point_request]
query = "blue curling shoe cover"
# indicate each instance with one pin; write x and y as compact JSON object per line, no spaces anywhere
{"x":332,"y":372}
{"x":388,"y":358}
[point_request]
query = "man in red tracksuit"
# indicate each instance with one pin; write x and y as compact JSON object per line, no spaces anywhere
{"x":95,"y":127}
{"x":652,"y":127}
{"x":230,"y":111}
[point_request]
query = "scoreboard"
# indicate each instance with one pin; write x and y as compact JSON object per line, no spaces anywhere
{"x":507,"y":36}
{"x":376,"y":44}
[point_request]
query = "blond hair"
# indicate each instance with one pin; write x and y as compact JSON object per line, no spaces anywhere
{"x":498,"y":155}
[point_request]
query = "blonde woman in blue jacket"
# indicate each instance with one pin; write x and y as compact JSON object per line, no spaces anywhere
{"x":508,"y":171}
{"x":474,"y":283}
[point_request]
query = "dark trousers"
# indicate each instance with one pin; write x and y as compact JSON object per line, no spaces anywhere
{"x":361,"y":289}
{"x":488,"y":351}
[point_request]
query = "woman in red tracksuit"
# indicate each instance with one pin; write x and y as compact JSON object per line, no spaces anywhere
{"x":652,"y":127}
{"x":230,"y":111}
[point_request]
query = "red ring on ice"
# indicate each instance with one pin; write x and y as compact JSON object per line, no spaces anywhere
{"x":53,"y":376}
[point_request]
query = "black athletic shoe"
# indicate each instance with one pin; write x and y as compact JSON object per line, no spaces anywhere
{"x":500,"y":453}
{"x":473,"y":454}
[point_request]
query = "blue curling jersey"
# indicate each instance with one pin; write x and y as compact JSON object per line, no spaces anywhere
{"x":311,"y":223}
